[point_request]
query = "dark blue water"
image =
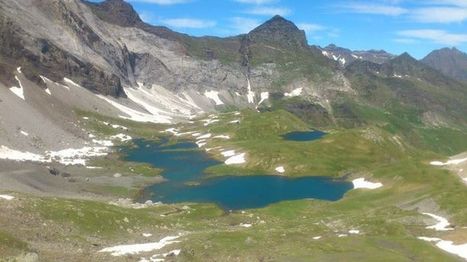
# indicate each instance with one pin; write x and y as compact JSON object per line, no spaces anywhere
{"x":304,"y":136}
{"x":184,"y":164}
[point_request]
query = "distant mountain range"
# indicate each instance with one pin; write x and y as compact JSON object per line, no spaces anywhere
{"x":346,"y":56}
{"x":450,"y":61}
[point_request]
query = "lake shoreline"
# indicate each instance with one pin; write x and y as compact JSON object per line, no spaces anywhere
{"x":184,"y":169}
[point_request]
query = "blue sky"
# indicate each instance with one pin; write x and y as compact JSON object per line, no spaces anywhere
{"x":415,"y":26}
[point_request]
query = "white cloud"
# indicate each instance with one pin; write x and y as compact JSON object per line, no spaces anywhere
{"x":429,"y":11}
{"x":269,"y":11}
{"x":242,"y":25}
{"x":316,"y":31}
{"x":256,"y":2}
{"x":311,"y":28}
{"x":162,"y":2}
{"x":374,"y":9}
{"x":459,"y":3}
{"x":440,"y":14}
{"x":405,"y":40}
{"x":437,"y":36}
{"x":188,"y":23}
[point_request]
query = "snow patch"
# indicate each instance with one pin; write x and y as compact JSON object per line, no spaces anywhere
{"x":317,"y":238}
{"x":264,"y":97}
{"x":147,"y":235}
{"x":235,"y":160}
{"x":70,"y":82}
{"x":295,"y":92}
{"x":24,"y":133}
{"x":47,"y":90}
{"x":361,"y":183}
{"x":134,"y":249}
{"x":209,"y":121}
{"x":246,"y":225}
{"x":78,"y":156}
{"x":250,"y":95}
{"x":137,"y":97}
{"x":137,"y":115}
{"x":114,"y":126}
{"x":449,"y":162}
{"x":429,"y":239}
{"x":442,"y":225}
{"x":175,"y":132}
{"x":228,"y":153}
{"x":214,"y":95}
{"x":19,"y":70}
{"x":172,"y":130}
{"x":122,"y":137}
{"x":94,"y":167}
{"x":448,"y":246}
{"x":354,"y":231}
{"x":280,"y":169}
{"x":18,"y":91}
{"x":201,"y":143}
{"x":128,"y":203}
{"x":222,"y":137}
{"x":70,"y":156}
{"x":205,"y":136}
{"x":342,"y":60}
{"x":46,"y":80}
{"x":11,"y":154}
{"x":7,"y":197}
{"x":156,"y":257}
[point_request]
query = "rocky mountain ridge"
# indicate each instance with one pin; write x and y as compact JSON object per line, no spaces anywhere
{"x":346,"y":56}
{"x":106,"y":48}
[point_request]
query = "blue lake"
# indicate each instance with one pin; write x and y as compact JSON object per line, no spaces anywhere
{"x":304,"y":136}
{"x":184,"y":167}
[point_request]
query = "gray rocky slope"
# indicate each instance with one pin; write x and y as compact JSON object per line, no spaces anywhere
{"x":106,"y":47}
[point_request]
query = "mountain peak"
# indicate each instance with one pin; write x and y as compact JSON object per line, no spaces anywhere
{"x":335,"y":48}
{"x":279,"y":30}
{"x":116,"y":12}
{"x":450,"y":61}
{"x":447,"y":51}
{"x":404,"y":58}
{"x":406,"y":55}
{"x":278,"y":17}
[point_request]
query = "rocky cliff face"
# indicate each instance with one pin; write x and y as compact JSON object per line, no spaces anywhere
{"x":104,"y":46}
{"x":38,"y":54}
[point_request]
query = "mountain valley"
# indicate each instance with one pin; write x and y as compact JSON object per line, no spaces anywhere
{"x":82,"y":84}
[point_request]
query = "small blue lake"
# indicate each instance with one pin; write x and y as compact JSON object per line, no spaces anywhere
{"x":184,"y":167}
{"x":304,"y":136}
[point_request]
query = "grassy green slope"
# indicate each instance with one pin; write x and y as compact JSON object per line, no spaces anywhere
{"x":285,"y":231}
